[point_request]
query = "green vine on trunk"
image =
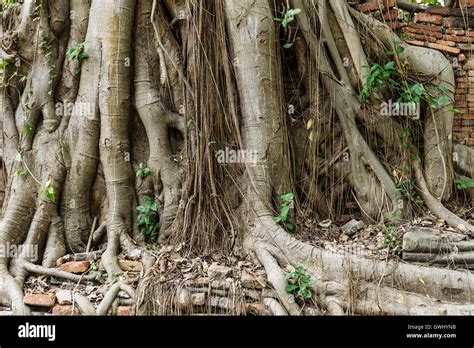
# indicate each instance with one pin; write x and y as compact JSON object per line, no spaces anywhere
{"x":389,"y":76}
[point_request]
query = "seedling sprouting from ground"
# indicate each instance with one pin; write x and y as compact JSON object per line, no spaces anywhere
{"x":143,"y":171}
{"x":298,"y":283}
{"x":94,"y":270}
{"x":286,"y":204}
{"x":390,"y":239}
{"x":148,"y":219}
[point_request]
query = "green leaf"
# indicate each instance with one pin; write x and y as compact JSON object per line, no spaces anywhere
{"x":21,"y":171}
{"x":284,"y":212}
{"x":50,"y":194}
{"x":416,"y":158}
{"x":443,"y":100}
{"x":287,"y":198}
{"x":291,"y":288}
{"x":288,"y":45}
{"x":289,"y":225}
{"x":417,"y":89}
{"x":400,"y":49}
{"x":306,"y":293}
{"x":277,"y":218}
{"x":147,"y":200}
{"x":27,"y":128}
{"x":390,"y":65}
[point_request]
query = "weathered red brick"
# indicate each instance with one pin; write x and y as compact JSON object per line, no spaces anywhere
{"x":451,"y":50}
{"x":458,"y":22}
{"x":75,"y":266}
{"x":455,"y":31}
{"x":450,"y":11}
{"x":461,"y":39}
{"x":463,"y":85}
{"x":446,"y":43}
{"x":466,"y":3}
{"x":466,"y":47}
{"x":40,"y":300}
{"x":422,"y":30}
{"x":376,"y":5}
{"x":133,"y":266}
{"x":428,"y":18}
{"x":420,"y":37}
{"x":426,"y":27}
{"x":124,"y":310}
{"x":462,"y":79}
{"x":392,"y":15}
{"x":64,"y":310}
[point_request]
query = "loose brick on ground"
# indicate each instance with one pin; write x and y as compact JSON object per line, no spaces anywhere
{"x":75,"y":266}
{"x":40,"y":300}
{"x":65,"y":310}
{"x":428,"y":18}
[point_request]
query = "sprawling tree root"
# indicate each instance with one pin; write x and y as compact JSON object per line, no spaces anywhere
{"x":138,"y":90}
{"x":273,"y":245}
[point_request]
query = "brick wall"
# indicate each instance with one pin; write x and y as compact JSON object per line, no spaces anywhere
{"x":450,"y":31}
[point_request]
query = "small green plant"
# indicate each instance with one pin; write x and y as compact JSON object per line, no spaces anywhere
{"x":286,"y":204}
{"x":390,"y":239}
{"x":464,"y":183}
{"x":77,"y":54}
{"x":298,"y":283}
{"x":378,"y":77}
{"x":143,"y":171}
{"x":395,"y":78}
{"x":48,"y":191}
{"x":94,"y":270}
{"x":288,"y":16}
{"x":148,"y":219}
